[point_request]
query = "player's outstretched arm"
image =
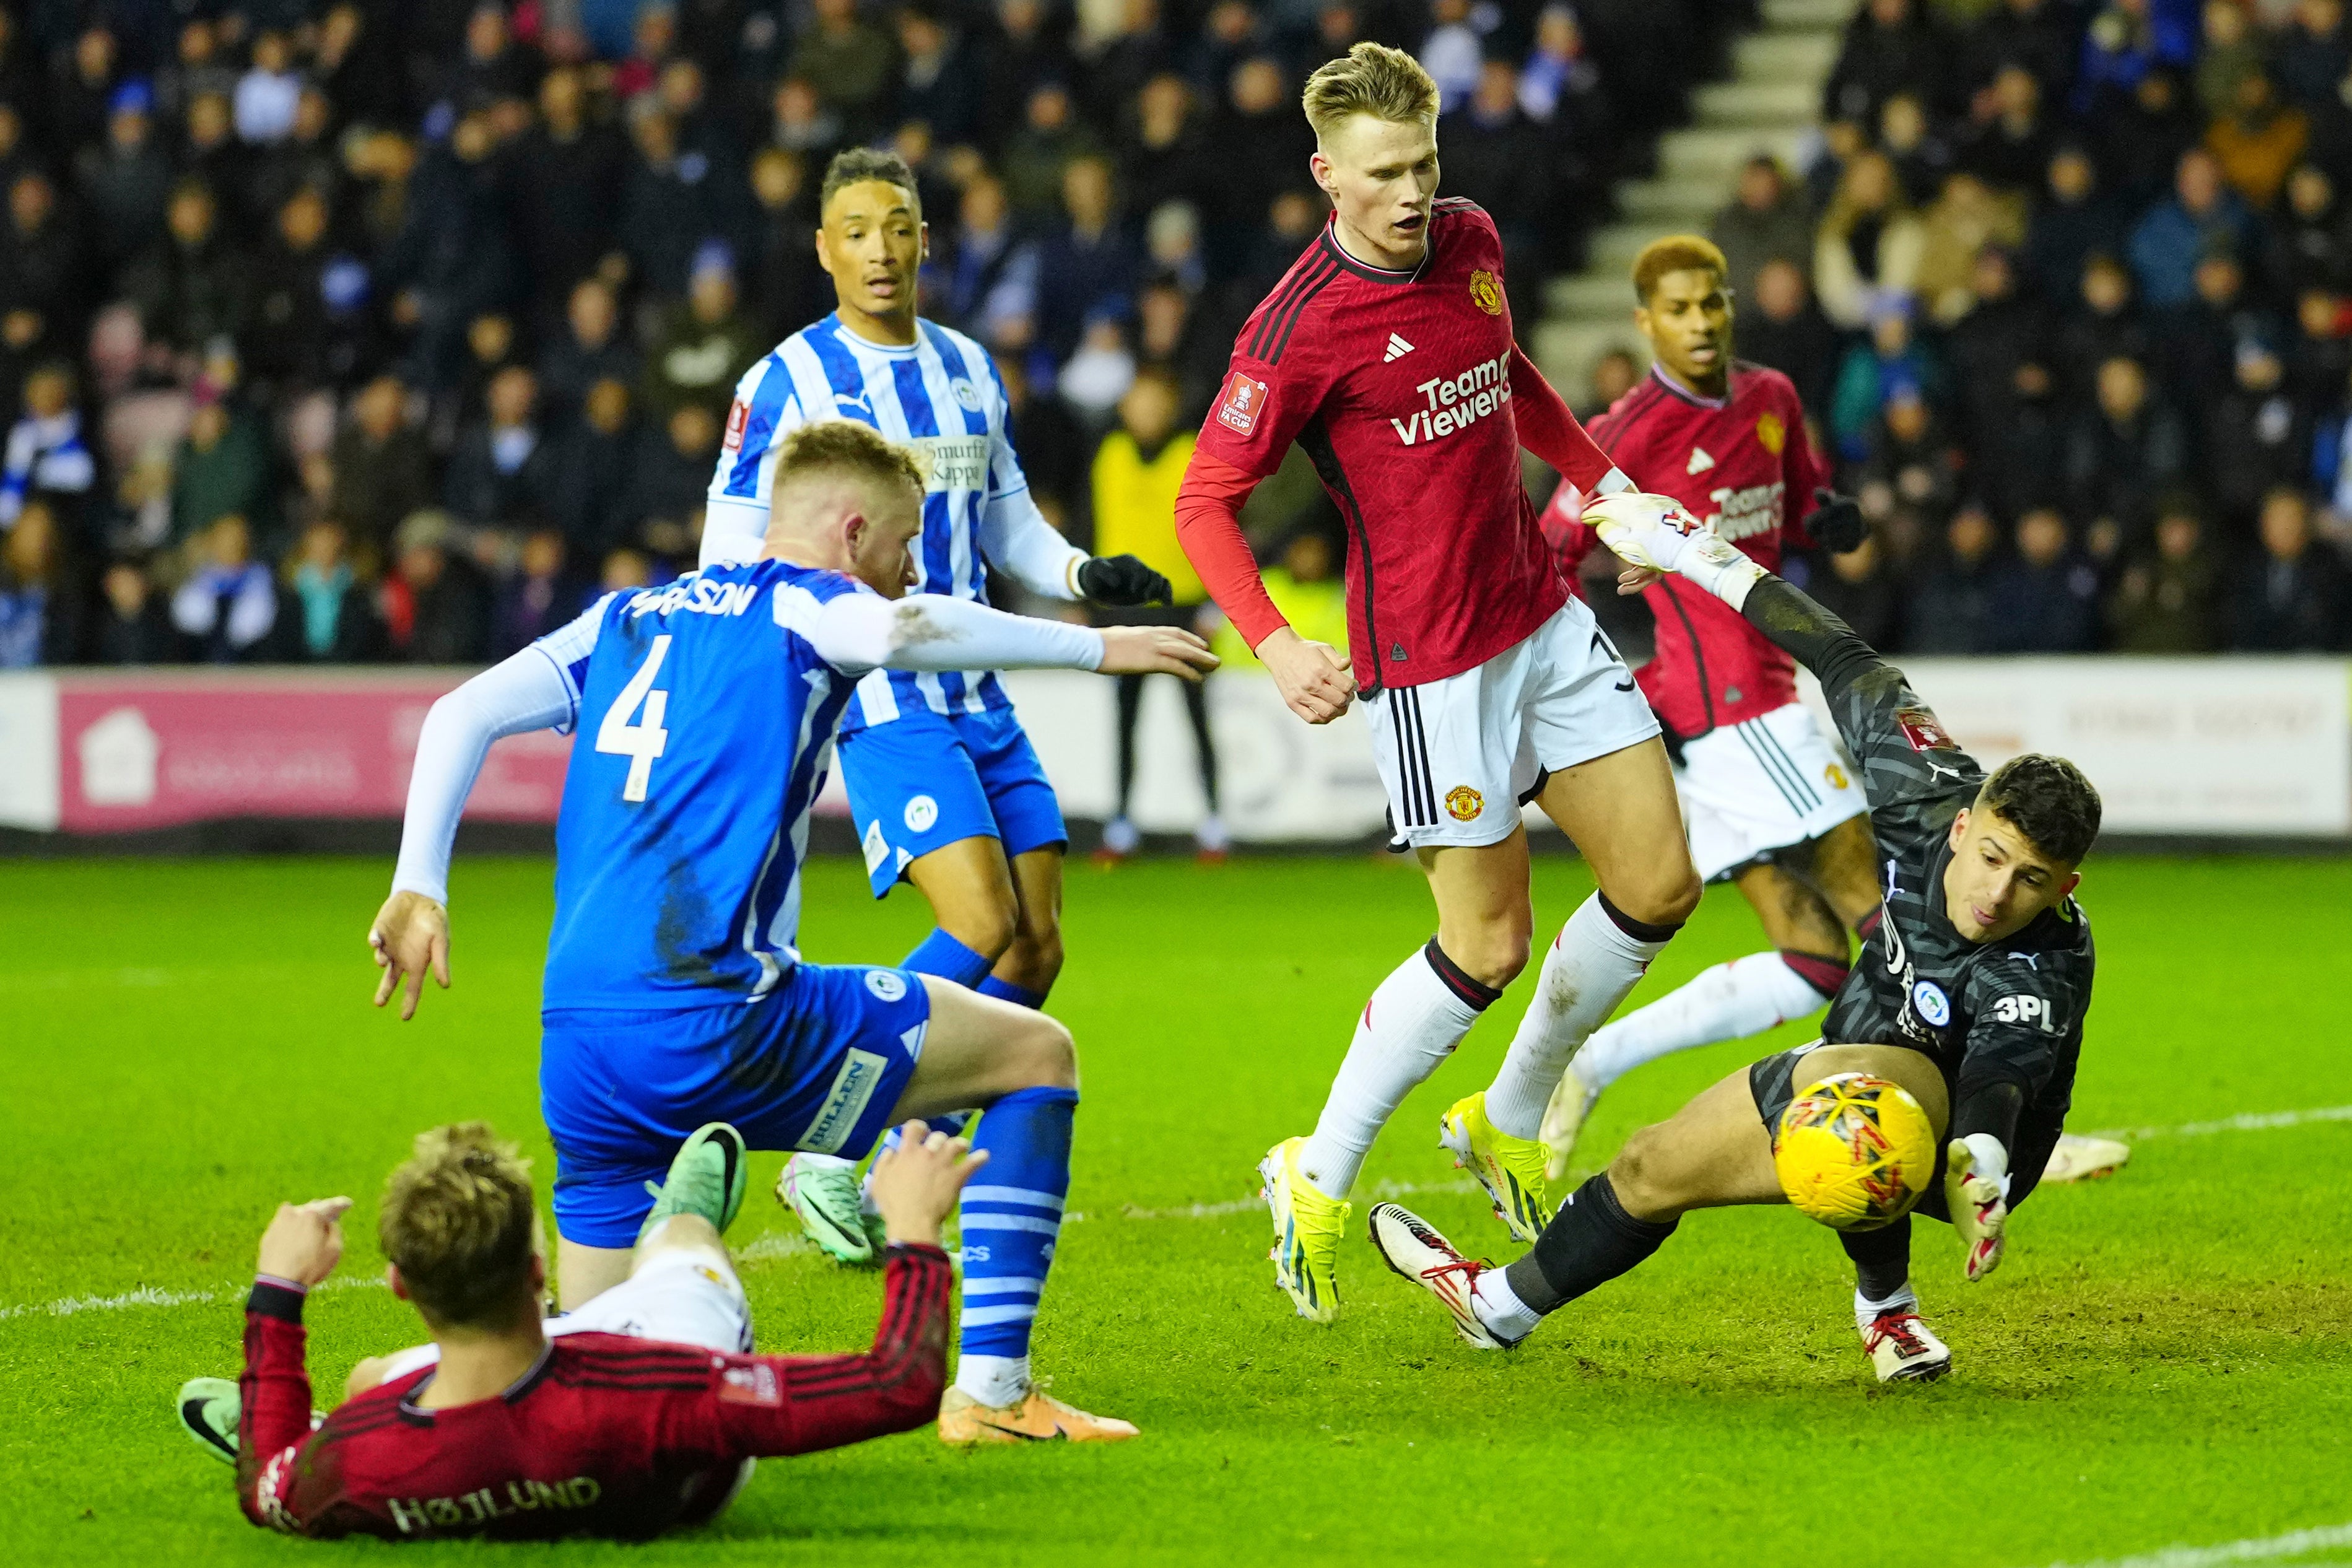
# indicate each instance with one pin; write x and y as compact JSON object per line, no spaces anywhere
{"x":1019,"y":542}
{"x":1313,"y":677}
{"x":301,"y":1247}
{"x":410,"y":935}
{"x":857,"y":632}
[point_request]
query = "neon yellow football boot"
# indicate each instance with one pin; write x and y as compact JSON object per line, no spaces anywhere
{"x":1308,"y":1226}
{"x":1510,"y":1169}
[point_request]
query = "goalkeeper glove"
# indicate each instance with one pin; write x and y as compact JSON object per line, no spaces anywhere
{"x":1654,"y":531}
{"x":1122,"y":580}
{"x":1976,"y":1196}
{"x":1836,"y":523}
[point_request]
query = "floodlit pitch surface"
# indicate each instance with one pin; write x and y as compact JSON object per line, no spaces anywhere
{"x":2165,"y":1357}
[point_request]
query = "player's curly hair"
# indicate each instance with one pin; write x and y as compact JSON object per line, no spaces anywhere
{"x":846,"y":446}
{"x":1677,"y":253}
{"x":856,"y":165}
{"x":2047,"y":799}
{"x":1371,"y":78}
{"x":460,"y":1222}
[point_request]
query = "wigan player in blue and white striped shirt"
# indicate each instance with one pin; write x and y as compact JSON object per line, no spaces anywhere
{"x":944,"y":788}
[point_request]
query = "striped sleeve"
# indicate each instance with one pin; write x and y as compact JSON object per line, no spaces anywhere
{"x":766,"y":406}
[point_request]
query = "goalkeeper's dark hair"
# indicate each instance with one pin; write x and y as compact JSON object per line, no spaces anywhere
{"x":460,"y":1222}
{"x":856,"y":165}
{"x":2048,"y":800}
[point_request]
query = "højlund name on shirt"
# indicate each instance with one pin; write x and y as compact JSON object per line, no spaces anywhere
{"x":1456,"y":401}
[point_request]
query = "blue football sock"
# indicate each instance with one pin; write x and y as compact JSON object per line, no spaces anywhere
{"x":1012,"y":1214}
{"x":1019,"y":995}
{"x":941,"y":955}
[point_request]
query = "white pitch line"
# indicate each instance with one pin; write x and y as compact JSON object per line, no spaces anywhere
{"x":780,"y":1246}
{"x":2294,"y":1543}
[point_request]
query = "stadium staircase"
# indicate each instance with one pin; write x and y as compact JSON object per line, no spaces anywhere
{"x":1769,"y":104}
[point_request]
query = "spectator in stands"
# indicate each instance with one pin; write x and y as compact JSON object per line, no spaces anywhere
{"x":2036,"y":34}
{"x":42,"y":268}
{"x":332,"y":610}
{"x":851,"y":62}
{"x":1955,"y":608}
{"x":625,"y":568}
{"x":2202,"y":214}
{"x":1171,"y":338}
{"x":2010,"y":149}
{"x":2295,"y":594}
{"x":294,"y":323}
{"x":2141,"y":140}
{"x":2074,"y":220}
{"x":704,"y":345}
{"x":540,"y":596}
{"x":2230,"y":51}
{"x":382,"y":469}
{"x":2201,"y":341}
{"x":1891,"y":360}
{"x":802,"y":122}
{"x":1920,"y":158}
{"x":2256,"y":440}
{"x":1560,"y":86}
{"x":567,"y":191}
{"x":2105,"y":324}
{"x":2001,"y":333}
{"x":502,"y":473}
{"x":1034,"y":156}
{"x":671,"y":479}
{"x":1909,"y":450}
{"x":227,"y":608}
{"x":1967,"y":217}
{"x":439,"y":601}
{"x":588,"y":350}
{"x":938,"y":83}
{"x":40,"y":608}
{"x":1086,"y":268}
{"x":1859,"y":588}
{"x":222,"y":470}
{"x":1453,"y":51}
{"x":2049,"y":601}
{"x":1497,"y":158}
{"x":2321,"y":353}
{"x":1891,"y":47}
{"x":2311,"y":238}
{"x":131,"y":627}
{"x":1615,"y":373}
{"x":2258,"y":140}
{"x":1869,"y":244}
{"x":787,"y":288}
{"x":1263,"y":143}
{"x":2126,"y":450}
{"x":2128,"y":43}
{"x":46,"y":458}
{"x":2314,"y":51}
{"x":127,"y":182}
{"x":672,"y":205}
{"x":1137,"y":471}
{"x":1780,"y":326}
{"x":2164,"y":602}
{"x":588,"y":497}
{"x":2020,"y":462}
{"x":1764,"y":222}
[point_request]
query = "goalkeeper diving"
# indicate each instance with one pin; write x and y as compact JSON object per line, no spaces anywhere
{"x":1970,"y":996}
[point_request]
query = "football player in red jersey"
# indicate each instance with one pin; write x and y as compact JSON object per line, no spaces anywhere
{"x":1387,"y":354}
{"x":1771,"y":805}
{"x":641,"y":1412}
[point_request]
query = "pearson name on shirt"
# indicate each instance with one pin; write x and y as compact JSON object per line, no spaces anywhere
{"x":697,"y":595}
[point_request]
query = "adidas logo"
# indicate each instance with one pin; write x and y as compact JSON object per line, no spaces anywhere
{"x":1699,"y":461}
{"x":1398,"y":349}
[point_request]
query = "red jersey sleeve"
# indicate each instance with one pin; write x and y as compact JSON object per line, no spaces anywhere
{"x":1802,"y":470}
{"x":274,"y":1414}
{"x":1549,"y":429}
{"x":768,"y":1405}
{"x":1208,"y":528}
{"x":1275,"y":383}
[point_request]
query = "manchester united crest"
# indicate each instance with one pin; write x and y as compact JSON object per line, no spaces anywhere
{"x":1486,"y":293}
{"x":1464,"y":804}
{"x":1770,"y":434}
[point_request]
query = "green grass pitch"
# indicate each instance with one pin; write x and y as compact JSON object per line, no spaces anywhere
{"x":2165,"y":1357}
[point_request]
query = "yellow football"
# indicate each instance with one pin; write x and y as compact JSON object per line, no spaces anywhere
{"x":1854,"y":1151}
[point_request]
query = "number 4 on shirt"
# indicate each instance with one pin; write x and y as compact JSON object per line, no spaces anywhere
{"x":640,"y":742}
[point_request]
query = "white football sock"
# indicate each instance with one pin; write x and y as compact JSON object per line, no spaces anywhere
{"x":1412,"y":1023}
{"x":1866,"y":1310}
{"x":1587,"y":969}
{"x":1730,"y":1002}
{"x":998,"y":1380}
{"x":1499,"y":1308}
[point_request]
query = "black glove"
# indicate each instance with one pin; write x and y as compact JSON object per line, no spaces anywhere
{"x":1125,"y":580}
{"x":1836,"y":523}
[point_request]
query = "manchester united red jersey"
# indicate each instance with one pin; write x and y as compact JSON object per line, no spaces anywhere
{"x":1398,"y":384}
{"x":606,"y":1435}
{"x":1742,"y":464}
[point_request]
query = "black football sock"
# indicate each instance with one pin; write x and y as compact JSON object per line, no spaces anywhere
{"x":1882,"y":1259}
{"x":1589,"y":1241}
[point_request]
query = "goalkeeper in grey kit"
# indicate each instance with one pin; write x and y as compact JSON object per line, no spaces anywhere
{"x":1970,"y":994}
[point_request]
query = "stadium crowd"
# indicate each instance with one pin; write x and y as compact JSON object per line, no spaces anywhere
{"x":2069,"y":289}
{"x":364,"y":331}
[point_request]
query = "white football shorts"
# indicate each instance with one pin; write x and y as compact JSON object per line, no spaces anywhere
{"x":1457,"y":754}
{"x":681,"y":1296}
{"x":1762,"y":785}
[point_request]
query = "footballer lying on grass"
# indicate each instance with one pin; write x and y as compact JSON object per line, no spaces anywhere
{"x":641,"y":1412}
{"x":1963,"y":1018}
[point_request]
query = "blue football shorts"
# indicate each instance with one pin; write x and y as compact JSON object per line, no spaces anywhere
{"x":816,"y":1064}
{"x":924,"y":780}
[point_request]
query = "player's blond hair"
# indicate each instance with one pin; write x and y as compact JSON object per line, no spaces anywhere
{"x":846,"y":447}
{"x":460,"y":1222}
{"x":1371,"y":78}
{"x":1677,"y":253}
